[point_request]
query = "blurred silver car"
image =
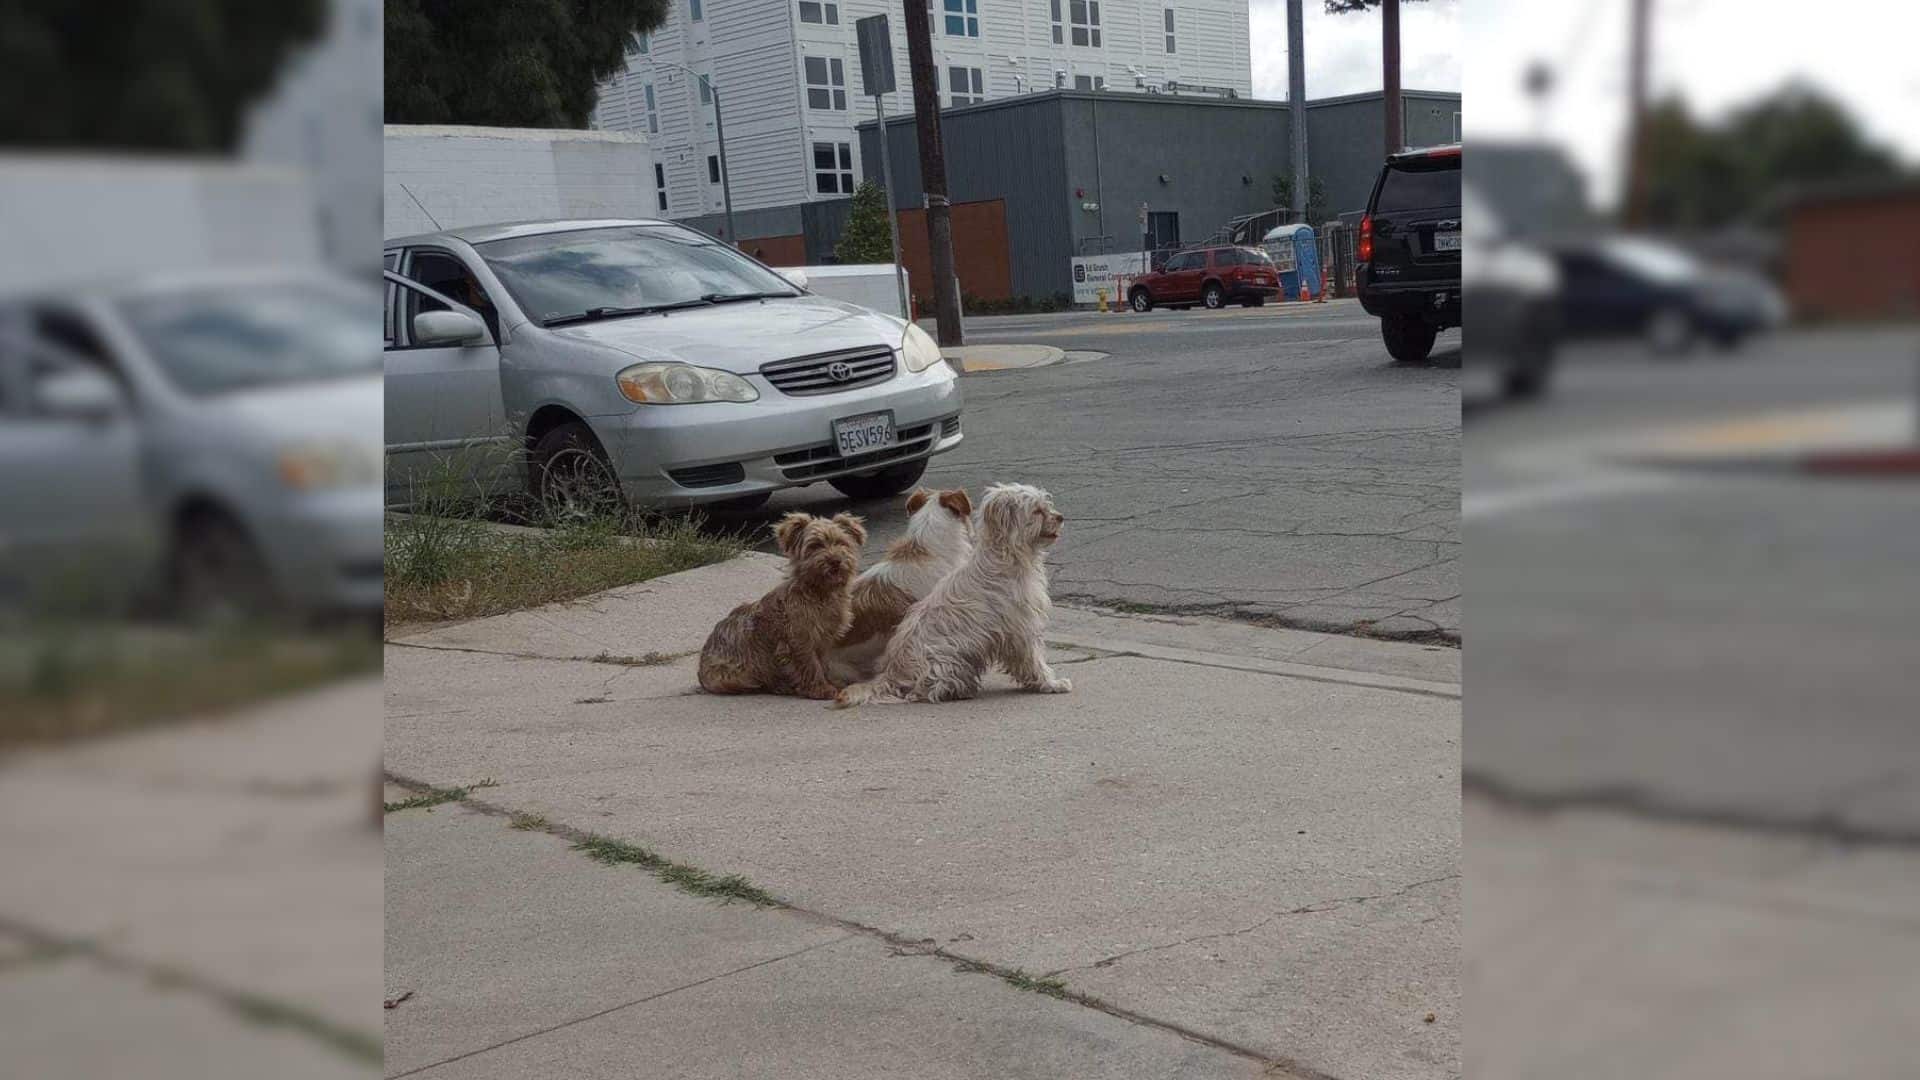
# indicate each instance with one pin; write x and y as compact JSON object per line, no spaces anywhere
{"x":644,"y":355}
{"x":256,"y":401}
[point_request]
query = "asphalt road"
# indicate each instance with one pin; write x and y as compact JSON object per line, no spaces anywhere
{"x":1729,"y":645}
{"x":1269,"y":464}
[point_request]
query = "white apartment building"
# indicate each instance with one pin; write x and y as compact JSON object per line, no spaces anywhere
{"x":787,"y":72}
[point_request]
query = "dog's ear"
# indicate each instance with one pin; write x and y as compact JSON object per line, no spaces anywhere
{"x":787,"y":532}
{"x":918,"y":499}
{"x":957,"y":503}
{"x":854,"y":526}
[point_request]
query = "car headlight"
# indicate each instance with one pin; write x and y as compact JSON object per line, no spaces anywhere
{"x":682,"y":384}
{"x":321,"y":466}
{"x":918,"y":350}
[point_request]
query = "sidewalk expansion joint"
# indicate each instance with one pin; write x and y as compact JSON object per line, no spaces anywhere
{"x":352,"y":1043}
{"x":897,"y":944}
{"x":1314,"y":908}
{"x":1335,"y":676}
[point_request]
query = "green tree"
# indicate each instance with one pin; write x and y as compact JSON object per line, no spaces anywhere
{"x":174,"y":75}
{"x":507,"y":63}
{"x":868,"y":235}
{"x":1316,"y":197}
{"x":1701,"y":175}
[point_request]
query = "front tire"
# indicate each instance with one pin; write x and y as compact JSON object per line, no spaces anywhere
{"x":216,"y":574}
{"x":1408,"y":340}
{"x":572,"y":478}
{"x":1140,"y":300}
{"x":1213,"y":296}
{"x":883,"y":484}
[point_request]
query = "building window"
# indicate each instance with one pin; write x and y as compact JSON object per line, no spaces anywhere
{"x":660,"y":185}
{"x":706,"y":90}
{"x":1167,"y":15}
{"x":832,"y":168}
{"x":713,"y":168}
{"x":693,"y":8}
{"x":814,"y":11}
{"x":1089,"y":82}
{"x":1056,"y":22}
{"x":964,"y":87}
{"x":653,"y":117}
{"x":826,"y":83}
{"x":1086,"y":22}
{"x":963,"y":18}
{"x":640,"y":45}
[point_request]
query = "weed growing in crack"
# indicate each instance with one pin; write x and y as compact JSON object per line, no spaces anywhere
{"x":688,"y":879}
{"x":1040,"y":984}
{"x":527,"y":822}
{"x":436,"y":796}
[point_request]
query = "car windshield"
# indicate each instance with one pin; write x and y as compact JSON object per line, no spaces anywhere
{"x":624,"y":269}
{"x":215,"y":341}
{"x":1656,"y":261}
{"x":1420,"y":185}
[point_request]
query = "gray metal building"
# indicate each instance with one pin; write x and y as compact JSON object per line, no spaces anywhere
{"x":1072,"y":169}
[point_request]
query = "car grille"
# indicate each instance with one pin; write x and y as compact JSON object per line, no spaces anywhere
{"x":804,"y":375}
{"x":816,"y":461}
{"x":949,"y":427}
{"x":697,"y":476}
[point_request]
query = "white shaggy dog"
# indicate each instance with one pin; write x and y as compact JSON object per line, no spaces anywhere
{"x":992,"y":610}
{"x":939,"y":538}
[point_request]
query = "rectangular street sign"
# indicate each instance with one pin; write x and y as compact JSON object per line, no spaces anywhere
{"x":876,"y":55}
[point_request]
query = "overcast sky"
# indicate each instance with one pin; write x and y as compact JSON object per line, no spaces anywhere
{"x":1343,"y":51}
{"x":1716,"y":54}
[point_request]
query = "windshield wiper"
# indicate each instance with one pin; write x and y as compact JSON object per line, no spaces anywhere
{"x":728,"y":298}
{"x":595,"y":314}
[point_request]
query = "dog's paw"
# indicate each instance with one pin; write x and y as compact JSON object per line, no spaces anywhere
{"x":1059,"y":685}
{"x":822,"y":693}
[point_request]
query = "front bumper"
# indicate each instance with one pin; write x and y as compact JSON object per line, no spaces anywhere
{"x":326,"y":548}
{"x":678,"y":455}
{"x":1436,"y":302}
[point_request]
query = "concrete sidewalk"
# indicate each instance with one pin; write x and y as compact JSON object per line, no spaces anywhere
{"x":1235,"y":849}
{"x":199,"y":900}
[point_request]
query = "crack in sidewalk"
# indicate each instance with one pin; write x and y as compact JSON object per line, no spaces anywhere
{"x":1314,"y":908}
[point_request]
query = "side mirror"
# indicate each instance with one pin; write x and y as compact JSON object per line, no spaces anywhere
{"x":447,"y":328}
{"x":795,"y":276}
{"x":79,"y":394}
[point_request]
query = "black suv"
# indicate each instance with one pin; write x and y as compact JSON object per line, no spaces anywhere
{"x":1409,"y":268}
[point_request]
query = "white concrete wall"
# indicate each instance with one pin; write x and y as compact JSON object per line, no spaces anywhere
{"x":755,"y":51}
{"x":449,"y":177}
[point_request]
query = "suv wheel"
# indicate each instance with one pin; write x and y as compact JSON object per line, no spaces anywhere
{"x":1140,"y":300}
{"x":1213,"y":296}
{"x":882,"y":484}
{"x":1408,"y":339}
{"x":572,"y":478}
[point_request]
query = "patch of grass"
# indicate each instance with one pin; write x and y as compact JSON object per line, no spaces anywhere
{"x":652,"y":659}
{"x":527,"y":822}
{"x":442,"y":569}
{"x":1038,"y":984}
{"x":437,"y":796}
{"x":688,"y":879}
{"x":72,"y":680}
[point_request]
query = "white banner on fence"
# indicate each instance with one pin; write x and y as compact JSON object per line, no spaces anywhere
{"x":1091,"y":273}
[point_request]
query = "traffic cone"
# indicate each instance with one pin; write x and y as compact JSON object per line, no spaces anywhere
{"x":1303,"y":289}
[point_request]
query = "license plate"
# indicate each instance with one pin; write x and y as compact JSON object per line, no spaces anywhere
{"x":863,"y":434}
{"x":1446,"y":241}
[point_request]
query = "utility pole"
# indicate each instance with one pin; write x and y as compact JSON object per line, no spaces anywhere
{"x":1297,"y":103}
{"x":933,"y":173}
{"x":1390,"y":73}
{"x":1636,"y":193}
{"x":726,"y":178}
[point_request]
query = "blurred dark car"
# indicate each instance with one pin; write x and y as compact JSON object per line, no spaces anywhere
{"x":1634,"y":287}
{"x":1409,"y":257}
{"x":1213,"y":277}
{"x":1513,"y":293}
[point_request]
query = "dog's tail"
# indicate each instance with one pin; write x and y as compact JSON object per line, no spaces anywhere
{"x":860,"y":693}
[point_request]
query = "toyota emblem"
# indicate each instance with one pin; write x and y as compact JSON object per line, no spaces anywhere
{"x":839,"y":371}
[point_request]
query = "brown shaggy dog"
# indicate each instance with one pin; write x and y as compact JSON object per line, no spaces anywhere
{"x":778,"y":644}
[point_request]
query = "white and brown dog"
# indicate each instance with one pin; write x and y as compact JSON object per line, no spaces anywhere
{"x":991,"y":610}
{"x":939,"y":538}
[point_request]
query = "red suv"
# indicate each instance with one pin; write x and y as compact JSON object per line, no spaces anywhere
{"x":1214,"y":277}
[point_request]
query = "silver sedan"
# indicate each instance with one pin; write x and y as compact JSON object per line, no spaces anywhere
{"x":655,"y":356}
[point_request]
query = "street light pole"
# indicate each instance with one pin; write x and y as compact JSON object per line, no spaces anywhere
{"x":720,"y":134}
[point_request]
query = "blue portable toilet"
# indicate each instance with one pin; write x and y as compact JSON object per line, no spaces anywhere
{"x":1296,"y":254}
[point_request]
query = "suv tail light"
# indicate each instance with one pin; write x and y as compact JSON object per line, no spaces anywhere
{"x":1366,"y":238}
